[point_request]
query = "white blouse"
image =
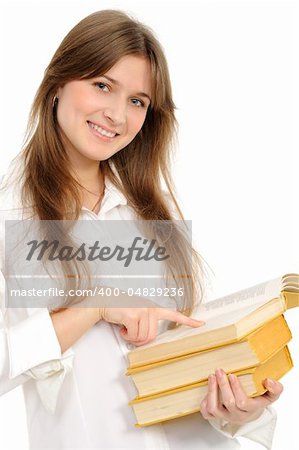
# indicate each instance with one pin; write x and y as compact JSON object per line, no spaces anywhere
{"x":79,"y":399}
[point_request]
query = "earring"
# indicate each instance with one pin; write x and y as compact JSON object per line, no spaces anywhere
{"x":55,"y":101}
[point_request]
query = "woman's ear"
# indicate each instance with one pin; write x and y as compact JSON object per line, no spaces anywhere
{"x":55,"y":101}
{"x":56,"y":97}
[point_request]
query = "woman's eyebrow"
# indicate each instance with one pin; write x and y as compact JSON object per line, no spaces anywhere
{"x":141,"y":94}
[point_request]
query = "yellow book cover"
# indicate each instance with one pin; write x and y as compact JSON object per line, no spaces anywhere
{"x":257,"y":347}
{"x":186,"y":400}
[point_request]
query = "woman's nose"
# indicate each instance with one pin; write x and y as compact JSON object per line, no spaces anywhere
{"x":116,"y":113}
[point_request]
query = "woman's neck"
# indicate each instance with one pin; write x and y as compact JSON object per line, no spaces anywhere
{"x":91,"y":182}
{"x":90,"y":177}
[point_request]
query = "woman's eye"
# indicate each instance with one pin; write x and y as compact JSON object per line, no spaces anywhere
{"x":102,"y":86}
{"x":137,"y":102}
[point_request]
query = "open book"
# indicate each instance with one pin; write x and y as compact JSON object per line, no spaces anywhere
{"x":228,"y":319}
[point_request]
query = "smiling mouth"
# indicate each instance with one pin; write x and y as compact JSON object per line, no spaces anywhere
{"x":101,"y":130}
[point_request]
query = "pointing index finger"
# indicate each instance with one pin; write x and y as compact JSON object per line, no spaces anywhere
{"x":178,"y":317}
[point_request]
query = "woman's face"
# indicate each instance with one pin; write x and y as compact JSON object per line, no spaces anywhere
{"x":100,"y":116}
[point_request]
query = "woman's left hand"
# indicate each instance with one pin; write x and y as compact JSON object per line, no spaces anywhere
{"x":226,"y":399}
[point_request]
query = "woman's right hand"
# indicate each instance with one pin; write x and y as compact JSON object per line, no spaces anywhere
{"x":140,"y":325}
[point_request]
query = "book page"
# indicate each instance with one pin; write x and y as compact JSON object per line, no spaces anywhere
{"x":225,"y":311}
{"x":252,"y":298}
{"x":290,"y":282}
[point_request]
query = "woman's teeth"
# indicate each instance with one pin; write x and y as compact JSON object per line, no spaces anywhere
{"x":102,"y":131}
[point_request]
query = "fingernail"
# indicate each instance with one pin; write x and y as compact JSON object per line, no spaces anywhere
{"x":219,"y":373}
{"x":270,"y":385}
{"x":199,"y":322}
{"x":211,"y":379}
{"x":232,"y":377}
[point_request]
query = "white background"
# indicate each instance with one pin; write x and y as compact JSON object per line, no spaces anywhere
{"x":234,"y":70}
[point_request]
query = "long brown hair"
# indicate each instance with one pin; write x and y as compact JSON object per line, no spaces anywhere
{"x":90,"y":49}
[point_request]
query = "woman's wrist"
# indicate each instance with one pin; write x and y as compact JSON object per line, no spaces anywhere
{"x":101,"y":314}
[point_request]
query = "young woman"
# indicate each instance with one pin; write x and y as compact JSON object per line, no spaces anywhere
{"x":98,"y":148}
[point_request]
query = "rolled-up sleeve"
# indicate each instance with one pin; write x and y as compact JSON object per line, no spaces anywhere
{"x":260,"y":430}
{"x":31,"y":342}
{"x":29,"y":349}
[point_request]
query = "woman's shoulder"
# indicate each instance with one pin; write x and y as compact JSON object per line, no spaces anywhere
{"x":10,"y":196}
{"x":11,"y":184}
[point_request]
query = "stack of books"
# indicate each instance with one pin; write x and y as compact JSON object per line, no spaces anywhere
{"x":245,"y":333}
